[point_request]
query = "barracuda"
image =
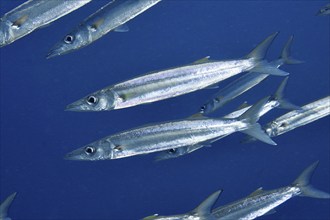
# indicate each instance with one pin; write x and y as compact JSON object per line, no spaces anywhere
{"x":106,"y":19}
{"x":297,"y":118}
{"x":34,"y":14}
{"x":174,"y":82}
{"x":257,"y":204}
{"x":245,"y":83}
{"x":275,"y":101}
{"x":173,"y":134}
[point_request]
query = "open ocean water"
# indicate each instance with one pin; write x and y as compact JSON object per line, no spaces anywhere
{"x":36,"y":132}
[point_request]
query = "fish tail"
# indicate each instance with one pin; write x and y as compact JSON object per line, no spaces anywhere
{"x":278,"y":95}
{"x":285,"y":57}
{"x":302,"y":182}
{"x":258,"y":55}
{"x":251,"y":116}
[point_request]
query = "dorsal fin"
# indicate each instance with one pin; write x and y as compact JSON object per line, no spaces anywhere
{"x":203,"y":60}
{"x":122,"y":28}
{"x":257,"y":192}
{"x":205,"y":208}
{"x":18,"y":23}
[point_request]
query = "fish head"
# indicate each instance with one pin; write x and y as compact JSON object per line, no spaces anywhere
{"x":75,"y":40}
{"x":102,"y":100}
{"x":98,"y":150}
{"x":6,"y":33}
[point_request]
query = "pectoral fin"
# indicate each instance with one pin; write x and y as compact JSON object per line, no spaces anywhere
{"x":122,"y":28}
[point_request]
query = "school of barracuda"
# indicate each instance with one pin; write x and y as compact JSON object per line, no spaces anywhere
{"x":173,"y":139}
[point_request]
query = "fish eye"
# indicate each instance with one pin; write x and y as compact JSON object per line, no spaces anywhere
{"x":90,"y":150}
{"x":172,"y":151}
{"x":203,"y":109}
{"x":68,"y":39}
{"x":92,"y":100}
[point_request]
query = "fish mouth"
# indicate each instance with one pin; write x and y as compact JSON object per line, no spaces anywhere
{"x":57,"y":50}
{"x":74,"y":155}
{"x":52,"y":54}
{"x":72,"y":108}
{"x":77,"y":106}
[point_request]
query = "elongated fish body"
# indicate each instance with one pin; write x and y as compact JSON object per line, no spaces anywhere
{"x":257,"y":204}
{"x":34,"y":14}
{"x":161,"y":85}
{"x":294,"y":119}
{"x":106,"y":19}
{"x":172,"y":134}
{"x":231,"y":91}
{"x":160,"y":137}
{"x":173,"y":82}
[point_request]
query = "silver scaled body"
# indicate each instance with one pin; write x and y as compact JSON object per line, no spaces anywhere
{"x":104,"y":20}
{"x":158,"y":137}
{"x":34,"y":14}
{"x":162,"y":85}
{"x":308,"y":113}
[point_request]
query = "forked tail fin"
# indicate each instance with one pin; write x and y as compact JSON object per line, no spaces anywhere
{"x":278,"y":96}
{"x":303,"y":183}
{"x":251,"y":116}
{"x":285,"y":57}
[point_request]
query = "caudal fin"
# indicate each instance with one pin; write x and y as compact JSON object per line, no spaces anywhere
{"x":285,"y":57}
{"x":251,"y":116}
{"x":271,"y":68}
{"x":303,"y":183}
{"x":278,"y":96}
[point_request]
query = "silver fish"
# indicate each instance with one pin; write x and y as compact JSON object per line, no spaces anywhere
{"x":5,"y":206}
{"x":34,"y":14}
{"x":100,"y":23}
{"x":173,"y":82}
{"x":257,"y":204}
{"x":275,"y":101}
{"x":297,"y":118}
{"x":172,"y":134}
{"x":244,"y":83}
{"x":324,"y":10}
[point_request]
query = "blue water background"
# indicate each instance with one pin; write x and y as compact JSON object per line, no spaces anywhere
{"x":36,"y":132}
